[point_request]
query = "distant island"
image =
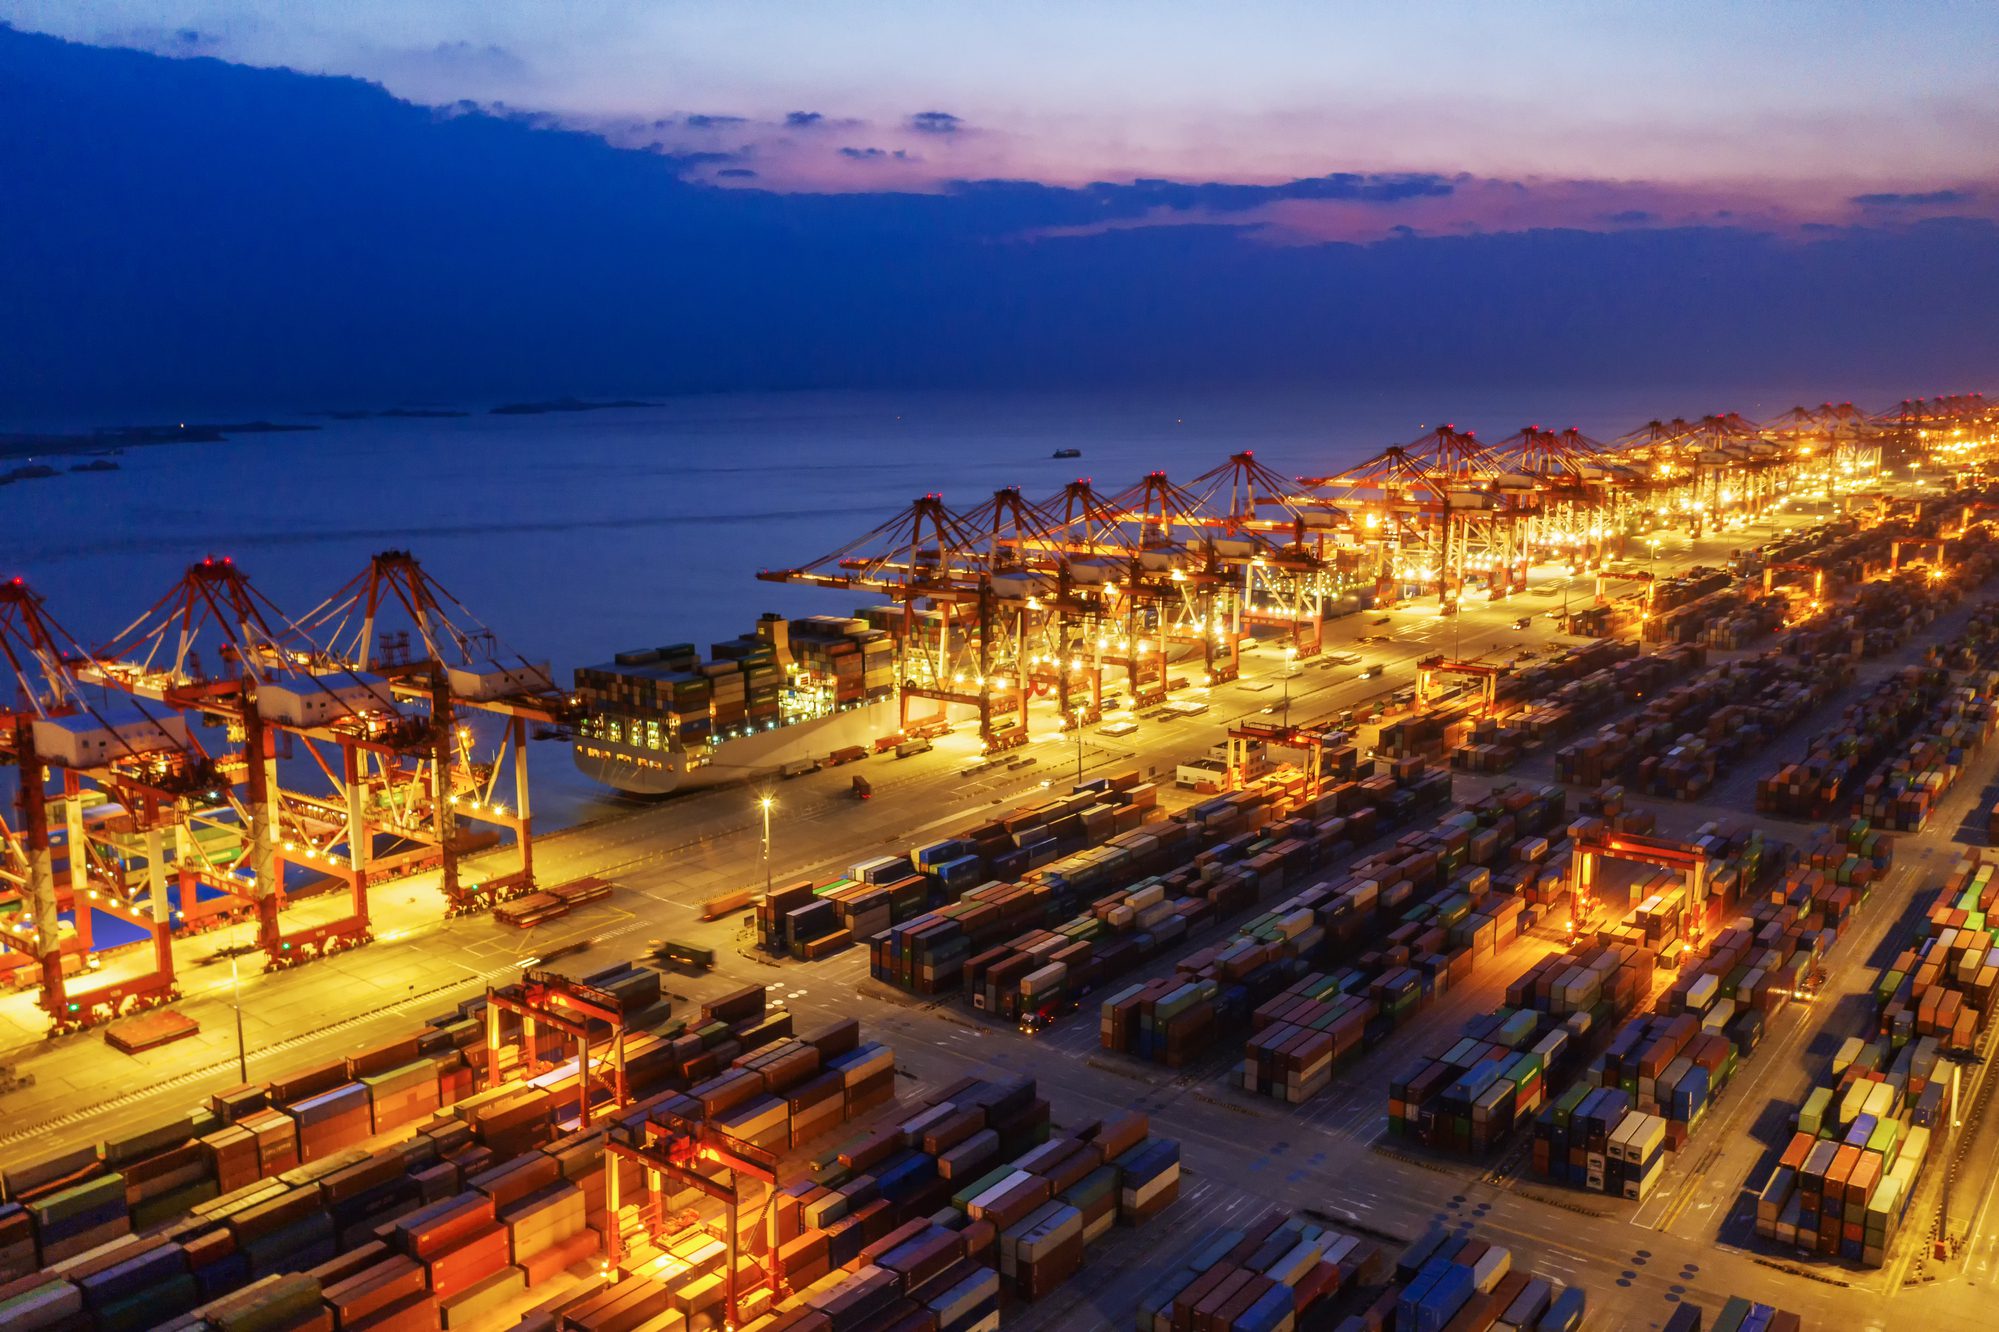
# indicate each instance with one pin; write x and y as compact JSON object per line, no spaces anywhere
{"x":183,"y":433}
{"x":392,"y":413}
{"x":111,"y":439}
{"x":95,"y":445}
{"x":563,"y":405}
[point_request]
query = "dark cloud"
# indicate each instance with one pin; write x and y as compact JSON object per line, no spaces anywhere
{"x":715,"y":122}
{"x":803,"y":119}
{"x":1028,"y":205}
{"x":1932,"y":197}
{"x":688,"y":161}
{"x":1632,"y":217}
{"x":736,"y":173}
{"x":629,"y":279}
{"x":876,"y":155}
{"x":935,"y":122}
{"x":465,"y":54}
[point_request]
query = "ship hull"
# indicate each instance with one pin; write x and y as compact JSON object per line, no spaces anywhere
{"x":652,"y":773}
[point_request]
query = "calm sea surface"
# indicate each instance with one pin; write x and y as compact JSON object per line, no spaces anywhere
{"x":574,"y":535}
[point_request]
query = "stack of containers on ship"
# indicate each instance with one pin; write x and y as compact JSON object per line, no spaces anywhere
{"x":848,"y":656}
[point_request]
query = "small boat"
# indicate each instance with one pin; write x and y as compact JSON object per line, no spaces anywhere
{"x":1067,"y":453}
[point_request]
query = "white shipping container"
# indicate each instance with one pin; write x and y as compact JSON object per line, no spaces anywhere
{"x":1491,"y":1269}
{"x":966,"y":1296}
{"x":1152,"y":1188}
{"x":976,"y":1208}
{"x":1045,"y":981}
{"x":1703,"y":992}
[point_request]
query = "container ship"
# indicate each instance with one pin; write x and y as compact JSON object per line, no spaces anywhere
{"x":661,"y":720}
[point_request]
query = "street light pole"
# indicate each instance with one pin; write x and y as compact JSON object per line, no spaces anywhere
{"x":236,"y":1001}
{"x":1079,"y":746}
{"x":766,"y":802}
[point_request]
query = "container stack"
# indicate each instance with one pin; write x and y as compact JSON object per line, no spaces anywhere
{"x":1495,"y":1075}
{"x":1675,"y":744}
{"x":1415,"y":918}
{"x":1101,"y":914}
{"x":848,"y":656}
{"x":1844,"y":1191}
{"x":1547,"y":701}
{"x":1837,"y":762}
{"x":1274,"y":1272}
{"x":332,"y":1121}
{"x":1753,"y":619}
{"x":966,"y":1203}
{"x":1944,"y":986}
{"x":1458,"y":1280}
{"x":1735,"y":1315}
{"x":423,"y":1219}
{"x":1918,"y":775}
{"x":1671,"y":1064}
{"x":669,"y":697}
{"x":1096,"y":834}
{"x":1298,"y":1038}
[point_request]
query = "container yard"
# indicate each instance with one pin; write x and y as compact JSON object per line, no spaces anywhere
{"x":403,"y":1187}
{"x":1845,"y":1182}
{"x":855,"y":1083}
{"x":1890,"y":752}
{"x":1660,"y":1075}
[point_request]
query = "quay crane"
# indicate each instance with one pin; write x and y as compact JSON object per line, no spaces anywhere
{"x":1010,"y":600}
{"x":1440,"y":512}
{"x":137,"y":754}
{"x":269,"y":682}
{"x":396,"y":622}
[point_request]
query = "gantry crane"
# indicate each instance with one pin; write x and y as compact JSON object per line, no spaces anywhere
{"x":1487,"y":674}
{"x":396,"y":622}
{"x":267,"y":680}
{"x":1436,"y":513}
{"x":1582,"y":510}
{"x":926,"y":561}
{"x":140,"y":755}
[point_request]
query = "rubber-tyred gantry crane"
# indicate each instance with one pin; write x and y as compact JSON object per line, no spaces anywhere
{"x":396,"y":622}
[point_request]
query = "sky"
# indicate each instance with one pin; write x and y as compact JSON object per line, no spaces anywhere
{"x":1775,"y":113}
{"x":216,"y":206}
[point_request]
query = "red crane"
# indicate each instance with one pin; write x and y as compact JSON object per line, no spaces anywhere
{"x":140,"y":755}
{"x":269,"y":679}
{"x":395,"y":621}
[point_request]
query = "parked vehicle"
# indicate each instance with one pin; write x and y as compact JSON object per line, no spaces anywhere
{"x":910,"y":748}
{"x":851,"y":754}
{"x":798,"y":767}
{"x":678,"y":953}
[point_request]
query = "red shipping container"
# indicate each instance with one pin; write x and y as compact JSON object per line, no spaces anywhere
{"x":468,"y":1262}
